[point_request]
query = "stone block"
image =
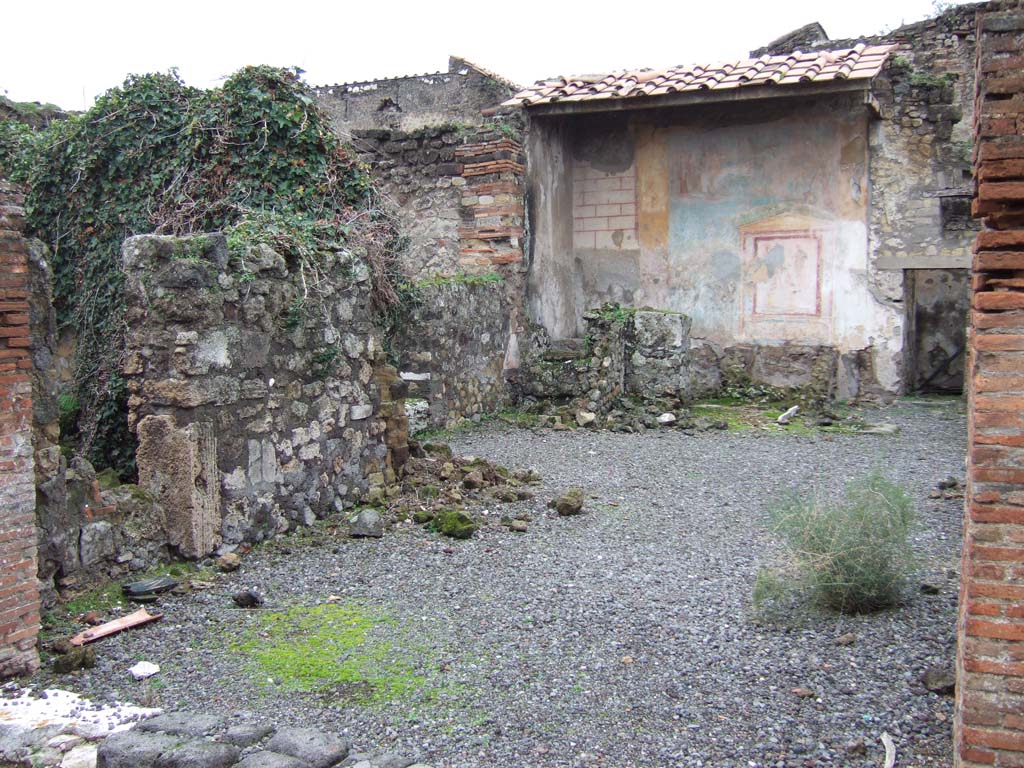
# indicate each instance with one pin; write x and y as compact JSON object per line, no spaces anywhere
{"x":270,"y":760}
{"x":182,"y":724}
{"x":246,"y":734}
{"x":178,"y":466}
{"x":199,"y":754}
{"x":316,"y":748}
{"x":134,"y":749}
{"x":360,"y":412}
{"x":96,"y":542}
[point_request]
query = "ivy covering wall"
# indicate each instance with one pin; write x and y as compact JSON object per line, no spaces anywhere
{"x":255,"y":157}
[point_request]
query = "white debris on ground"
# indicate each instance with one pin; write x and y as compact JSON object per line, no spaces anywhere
{"x":144,"y":669}
{"x":56,"y":707}
{"x":55,"y":727}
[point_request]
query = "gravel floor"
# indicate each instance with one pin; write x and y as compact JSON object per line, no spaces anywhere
{"x":622,"y":637}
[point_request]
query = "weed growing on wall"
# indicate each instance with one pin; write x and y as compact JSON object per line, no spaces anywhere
{"x":851,"y":555}
{"x":256,"y":157}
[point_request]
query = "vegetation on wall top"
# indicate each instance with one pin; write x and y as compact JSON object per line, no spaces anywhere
{"x":157,"y":156}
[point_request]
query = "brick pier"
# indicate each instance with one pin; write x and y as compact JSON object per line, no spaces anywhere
{"x":19,"y":591}
{"x":989,"y":723}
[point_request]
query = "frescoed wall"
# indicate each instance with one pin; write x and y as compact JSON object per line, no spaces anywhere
{"x":751,"y":219}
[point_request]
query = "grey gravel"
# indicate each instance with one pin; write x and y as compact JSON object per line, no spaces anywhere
{"x":620,"y":637}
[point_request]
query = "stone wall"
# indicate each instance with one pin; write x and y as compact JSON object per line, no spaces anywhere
{"x":258,"y":389}
{"x":91,"y":528}
{"x":19,"y":591}
{"x":452,"y":349}
{"x":419,"y":176}
{"x":449,"y":162}
{"x":461,"y":95}
{"x":458,"y":195}
{"x":989,"y":725}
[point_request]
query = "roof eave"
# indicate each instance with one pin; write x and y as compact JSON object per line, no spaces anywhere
{"x":702,"y":97}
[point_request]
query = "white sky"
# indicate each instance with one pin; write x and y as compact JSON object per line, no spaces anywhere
{"x":69,"y":52}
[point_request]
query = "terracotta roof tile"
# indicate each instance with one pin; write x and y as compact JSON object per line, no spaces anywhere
{"x":861,"y":62}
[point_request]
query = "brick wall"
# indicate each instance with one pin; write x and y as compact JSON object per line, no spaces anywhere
{"x":19,"y":592}
{"x":491,"y":234}
{"x":603,"y":208}
{"x":989,"y":725}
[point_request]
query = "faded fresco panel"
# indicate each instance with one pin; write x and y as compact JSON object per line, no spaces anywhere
{"x":786,"y":274}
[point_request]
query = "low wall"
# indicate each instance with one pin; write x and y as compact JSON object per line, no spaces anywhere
{"x":641,"y":353}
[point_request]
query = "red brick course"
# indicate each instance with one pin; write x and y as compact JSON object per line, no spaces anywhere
{"x":19,"y":590}
{"x":492,"y":205}
{"x":989,"y":723}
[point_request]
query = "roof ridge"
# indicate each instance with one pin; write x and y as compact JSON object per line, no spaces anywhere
{"x":861,"y":62}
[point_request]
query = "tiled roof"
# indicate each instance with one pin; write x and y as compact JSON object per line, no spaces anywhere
{"x":861,"y":62}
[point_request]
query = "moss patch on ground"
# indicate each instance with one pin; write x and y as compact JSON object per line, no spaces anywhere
{"x":346,"y":650}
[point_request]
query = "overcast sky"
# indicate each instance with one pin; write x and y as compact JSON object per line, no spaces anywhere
{"x":69,"y":52}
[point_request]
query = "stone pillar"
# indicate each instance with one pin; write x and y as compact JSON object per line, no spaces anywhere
{"x":179,"y":467}
{"x":989,"y":720}
{"x":19,"y":588}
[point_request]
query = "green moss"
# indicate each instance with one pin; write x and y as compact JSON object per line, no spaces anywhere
{"x":335,"y":648}
{"x":108,"y":478}
{"x":930,"y":80}
{"x":189,"y":249}
{"x":140,"y":494}
{"x":518,"y":418}
{"x":423,"y":516}
{"x":324,"y":361}
{"x":899,"y":63}
{"x":455,"y":523}
{"x":614,"y":313}
{"x":101,"y":599}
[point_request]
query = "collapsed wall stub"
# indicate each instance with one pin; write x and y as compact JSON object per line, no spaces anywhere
{"x":19,"y":589}
{"x":88,"y":529}
{"x":256,"y":388}
{"x":988,"y":723}
{"x":636,"y":353}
